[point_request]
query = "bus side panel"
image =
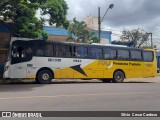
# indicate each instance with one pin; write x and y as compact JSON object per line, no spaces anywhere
{"x":131,"y":69}
{"x":135,"y":69}
{"x":118,"y":65}
{"x":95,"y":69}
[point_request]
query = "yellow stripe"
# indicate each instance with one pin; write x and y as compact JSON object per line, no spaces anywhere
{"x":31,"y":77}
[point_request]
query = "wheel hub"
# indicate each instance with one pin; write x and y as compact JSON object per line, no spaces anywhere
{"x":45,"y":76}
{"x":119,"y":77}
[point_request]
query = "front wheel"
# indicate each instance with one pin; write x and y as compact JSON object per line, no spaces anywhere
{"x":118,"y":77}
{"x":44,"y":77}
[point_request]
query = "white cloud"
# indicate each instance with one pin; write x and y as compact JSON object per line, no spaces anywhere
{"x":126,"y":13}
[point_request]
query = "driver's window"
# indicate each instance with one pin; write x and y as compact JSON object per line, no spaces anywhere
{"x":18,"y":52}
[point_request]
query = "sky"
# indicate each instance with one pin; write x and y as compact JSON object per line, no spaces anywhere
{"x":126,"y":14}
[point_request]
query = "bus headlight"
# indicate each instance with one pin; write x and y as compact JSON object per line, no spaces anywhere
{"x":6,"y":68}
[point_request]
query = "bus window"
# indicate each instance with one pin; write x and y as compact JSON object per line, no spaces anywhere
{"x":80,"y":52}
{"x":49,"y":50}
{"x":109,"y":53}
{"x":148,"y":56}
{"x":136,"y":55}
{"x":63,"y":51}
{"x":39,"y":50}
{"x":21,"y":53}
{"x":123,"y":55}
{"x":96,"y":53}
{"x":18,"y":52}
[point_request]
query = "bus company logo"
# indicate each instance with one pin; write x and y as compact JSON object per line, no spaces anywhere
{"x":6,"y":114}
{"x":54,"y":60}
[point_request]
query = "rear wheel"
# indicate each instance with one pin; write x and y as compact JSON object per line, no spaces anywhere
{"x":118,"y":77}
{"x":44,"y":77}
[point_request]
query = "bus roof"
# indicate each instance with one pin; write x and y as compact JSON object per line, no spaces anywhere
{"x":73,"y":43}
{"x":109,"y":45}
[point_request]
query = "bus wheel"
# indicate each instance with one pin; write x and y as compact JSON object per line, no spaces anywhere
{"x":106,"y":80}
{"x":118,"y":77}
{"x":44,"y":77}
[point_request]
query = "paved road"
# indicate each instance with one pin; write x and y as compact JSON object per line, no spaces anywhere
{"x":133,"y":95}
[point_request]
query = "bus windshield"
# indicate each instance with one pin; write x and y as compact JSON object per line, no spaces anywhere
{"x":20,"y":53}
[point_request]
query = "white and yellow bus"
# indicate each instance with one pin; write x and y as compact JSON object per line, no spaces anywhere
{"x":44,"y":61}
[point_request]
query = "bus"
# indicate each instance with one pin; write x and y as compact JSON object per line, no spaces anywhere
{"x":45,"y":60}
{"x":158,"y":61}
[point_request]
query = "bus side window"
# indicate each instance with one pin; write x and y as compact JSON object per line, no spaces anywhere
{"x":96,"y":53}
{"x":109,"y":53}
{"x":63,"y":51}
{"x":123,"y":54}
{"x":67,"y":51}
{"x":148,"y":56}
{"x":136,"y":55}
{"x":40,"y":50}
{"x":80,"y":52}
{"x":28,"y":50}
{"x":49,"y":50}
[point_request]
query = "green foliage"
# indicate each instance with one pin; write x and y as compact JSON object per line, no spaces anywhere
{"x":135,"y":37}
{"x":78,"y":32}
{"x":22,"y":13}
{"x":44,"y":35}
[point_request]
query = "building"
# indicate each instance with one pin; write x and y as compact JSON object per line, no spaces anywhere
{"x":92,"y":22}
{"x":56,"y":34}
{"x":61,"y":34}
{"x":5,"y":36}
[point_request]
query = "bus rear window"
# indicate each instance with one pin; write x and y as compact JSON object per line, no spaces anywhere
{"x":148,"y":56}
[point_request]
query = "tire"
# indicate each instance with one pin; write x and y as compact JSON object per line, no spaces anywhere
{"x":118,"y":77}
{"x":44,"y":77}
{"x":106,"y":80}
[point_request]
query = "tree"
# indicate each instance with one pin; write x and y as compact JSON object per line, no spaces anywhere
{"x":78,"y":32}
{"x":134,"y":38}
{"x":90,"y":37}
{"x":23,"y":15}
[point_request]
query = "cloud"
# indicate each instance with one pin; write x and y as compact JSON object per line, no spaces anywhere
{"x":125,"y":13}
{"x":132,"y":10}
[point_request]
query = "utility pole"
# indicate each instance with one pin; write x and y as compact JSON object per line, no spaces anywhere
{"x":99,"y":25}
{"x":151,"y":39}
{"x":100,"y":21}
